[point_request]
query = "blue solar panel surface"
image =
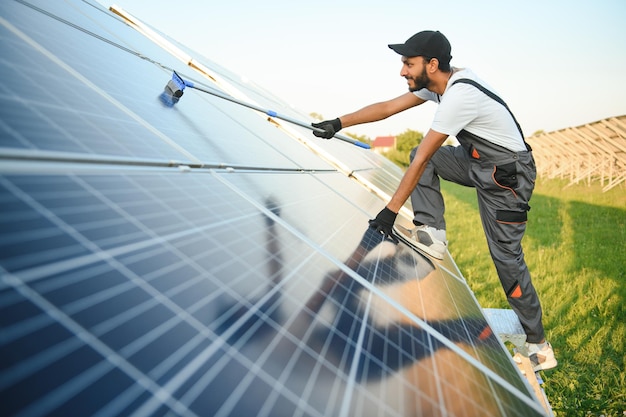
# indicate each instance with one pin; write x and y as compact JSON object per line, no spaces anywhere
{"x":200,"y":260}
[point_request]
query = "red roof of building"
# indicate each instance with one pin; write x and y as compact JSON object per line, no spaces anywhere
{"x":384,"y":142}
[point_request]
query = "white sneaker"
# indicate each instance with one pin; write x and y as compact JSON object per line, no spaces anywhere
{"x":540,"y":358}
{"x":430,"y":240}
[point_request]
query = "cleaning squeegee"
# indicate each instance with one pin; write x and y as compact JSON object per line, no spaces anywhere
{"x":174,"y":88}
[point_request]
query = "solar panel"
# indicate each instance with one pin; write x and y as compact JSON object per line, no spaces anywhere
{"x":200,"y":260}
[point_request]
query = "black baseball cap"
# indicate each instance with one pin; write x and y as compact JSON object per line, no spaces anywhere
{"x":428,"y":43}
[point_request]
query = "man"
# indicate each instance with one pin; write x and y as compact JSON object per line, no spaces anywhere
{"x":493,"y":158}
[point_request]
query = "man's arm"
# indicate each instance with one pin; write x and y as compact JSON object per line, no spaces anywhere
{"x":381,"y":110}
{"x":371,"y":113}
{"x":411,"y":177}
{"x":383,"y":223}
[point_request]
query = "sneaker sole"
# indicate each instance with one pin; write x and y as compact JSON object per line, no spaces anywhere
{"x":542,"y":366}
{"x":404,"y":235}
{"x":549,"y":364}
{"x":546,"y":365}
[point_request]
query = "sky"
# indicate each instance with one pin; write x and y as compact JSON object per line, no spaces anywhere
{"x":557,"y":64}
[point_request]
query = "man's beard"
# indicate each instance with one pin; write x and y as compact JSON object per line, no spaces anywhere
{"x":420,"y":81}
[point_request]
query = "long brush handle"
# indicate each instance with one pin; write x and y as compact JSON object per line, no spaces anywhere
{"x":182,"y":84}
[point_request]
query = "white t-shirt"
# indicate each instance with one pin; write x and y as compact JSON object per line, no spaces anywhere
{"x":464,"y":106}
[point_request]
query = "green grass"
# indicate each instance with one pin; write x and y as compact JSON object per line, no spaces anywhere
{"x":575,"y":247}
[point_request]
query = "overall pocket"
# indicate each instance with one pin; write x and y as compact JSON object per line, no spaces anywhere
{"x":505,"y":175}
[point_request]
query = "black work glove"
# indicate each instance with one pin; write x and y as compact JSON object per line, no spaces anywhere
{"x":383,"y":223}
{"x":329,"y":128}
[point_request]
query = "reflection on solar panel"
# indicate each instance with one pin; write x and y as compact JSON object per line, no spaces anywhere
{"x":200,"y":260}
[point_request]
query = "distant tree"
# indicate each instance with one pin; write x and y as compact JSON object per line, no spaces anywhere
{"x":405,"y":142}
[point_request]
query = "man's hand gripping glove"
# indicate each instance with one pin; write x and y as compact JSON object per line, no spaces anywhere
{"x":328,"y":128}
{"x":383,"y":223}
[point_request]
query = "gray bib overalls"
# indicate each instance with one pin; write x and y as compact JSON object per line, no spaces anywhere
{"x":504,"y":181}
